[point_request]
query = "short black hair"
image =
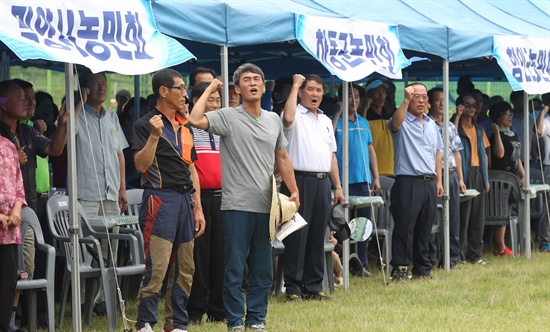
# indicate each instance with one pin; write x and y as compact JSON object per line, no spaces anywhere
{"x":199,"y":89}
{"x":199,"y":70}
{"x":353,"y":86}
{"x":497,"y":109}
{"x":164,"y":77}
{"x":432,"y":92}
{"x":22,"y":83}
{"x":86,"y":76}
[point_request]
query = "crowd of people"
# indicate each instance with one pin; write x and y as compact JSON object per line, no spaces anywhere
{"x":208,"y":173}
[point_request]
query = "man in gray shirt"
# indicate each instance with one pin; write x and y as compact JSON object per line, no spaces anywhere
{"x":252,"y":141}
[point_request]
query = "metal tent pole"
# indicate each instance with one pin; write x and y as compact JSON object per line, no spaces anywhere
{"x":345,"y":179}
{"x":446,"y":241}
{"x":225,"y":75}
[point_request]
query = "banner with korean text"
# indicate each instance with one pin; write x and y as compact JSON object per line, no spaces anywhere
{"x":118,"y":36}
{"x":525,"y":61}
{"x":352,"y":49}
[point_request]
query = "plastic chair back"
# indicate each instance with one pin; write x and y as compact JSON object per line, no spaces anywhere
{"x":29,"y":219}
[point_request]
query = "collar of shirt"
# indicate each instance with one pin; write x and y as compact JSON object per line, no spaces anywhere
{"x":89,"y":109}
{"x":304,"y":110}
{"x":411,"y":117}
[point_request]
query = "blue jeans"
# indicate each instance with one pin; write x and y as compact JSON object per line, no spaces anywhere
{"x":246,"y":234}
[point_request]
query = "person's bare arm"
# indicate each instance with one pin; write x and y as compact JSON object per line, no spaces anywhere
{"x":196,"y":117}
{"x":399,"y":115}
{"x":373,"y":162}
{"x":497,"y":149}
{"x":144,"y":157}
{"x":458,"y":159}
{"x":284,"y":165}
{"x":122,"y":199}
{"x":335,"y":178}
{"x":438,"y":177}
{"x":200,"y":222}
{"x":540,"y":120}
{"x":292,"y":100}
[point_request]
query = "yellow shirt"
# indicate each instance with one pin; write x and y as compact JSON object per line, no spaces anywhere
{"x":383,"y":146}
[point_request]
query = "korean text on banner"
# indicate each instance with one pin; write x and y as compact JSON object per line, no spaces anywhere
{"x":117,"y":36}
{"x":352,"y":49}
{"x":525,"y":61}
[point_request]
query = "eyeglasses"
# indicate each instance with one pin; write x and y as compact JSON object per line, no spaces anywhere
{"x":470,"y":105}
{"x":182,"y":88}
{"x":417,"y":97}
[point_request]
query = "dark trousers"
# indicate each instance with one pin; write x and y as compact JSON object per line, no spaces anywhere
{"x":472,"y":218}
{"x":305,"y":249}
{"x":361,"y":189}
{"x":454,"y":224}
{"x":40,"y":256}
{"x":413,"y":207}
{"x":8,"y":281}
{"x":206,"y":291}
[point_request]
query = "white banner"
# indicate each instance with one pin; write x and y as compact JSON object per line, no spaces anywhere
{"x":525,"y":61}
{"x":352,"y":49}
{"x":118,"y":36}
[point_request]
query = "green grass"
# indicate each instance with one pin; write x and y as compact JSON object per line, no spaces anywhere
{"x":505,"y":295}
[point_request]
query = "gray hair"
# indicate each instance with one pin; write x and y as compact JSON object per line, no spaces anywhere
{"x":247,"y":68}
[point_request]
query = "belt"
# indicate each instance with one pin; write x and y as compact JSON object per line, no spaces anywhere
{"x":43,"y":195}
{"x":185,"y":189}
{"x":318,"y":175}
{"x":211,"y":192}
{"x":451,"y":170}
{"x":426,"y":177}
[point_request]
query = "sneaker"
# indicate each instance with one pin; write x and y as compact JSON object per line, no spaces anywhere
{"x":545,"y":248}
{"x":256,"y":327}
{"x":236,"y":328}
{"x":338,"y":282}
{"x":146,"y":328}
{"x":100,"y":309}
{"x":506,"y":252}
{"x":293,"y":297}
{"x":316,"y":296}
{"x":480,"y":262}
{"x":400,"y":274}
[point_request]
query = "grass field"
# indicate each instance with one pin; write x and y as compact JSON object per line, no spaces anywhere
{"x":504,"y":295}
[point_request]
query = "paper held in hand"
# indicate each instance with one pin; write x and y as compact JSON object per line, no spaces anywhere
{"x":290,"y":226}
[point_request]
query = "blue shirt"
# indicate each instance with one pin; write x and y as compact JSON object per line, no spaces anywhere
{"x":359,"y":138}
{"x":415,"y":146}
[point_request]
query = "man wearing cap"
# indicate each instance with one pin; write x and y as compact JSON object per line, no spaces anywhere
{"x":362,"y":157}
{"x":312,"y":149}
{"x":378,"y":120}
{"x":252,"y":142}
{"x":417,"y":184}
{"x":456,"y":181}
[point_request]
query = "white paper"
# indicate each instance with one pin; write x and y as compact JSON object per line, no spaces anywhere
{"x":290,"y":226}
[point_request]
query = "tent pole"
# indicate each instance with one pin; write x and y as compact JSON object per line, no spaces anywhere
{"x":137,"y":97}
{"x":446,"y":241}
{"x":345,"y":179}
{"x":73,"y":212}
{"x":527,"y":176}
{"x":225,"y":75}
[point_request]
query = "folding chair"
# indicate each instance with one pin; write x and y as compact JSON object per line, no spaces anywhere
{"x":504,"y":193}
{"x":30,"y":219}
